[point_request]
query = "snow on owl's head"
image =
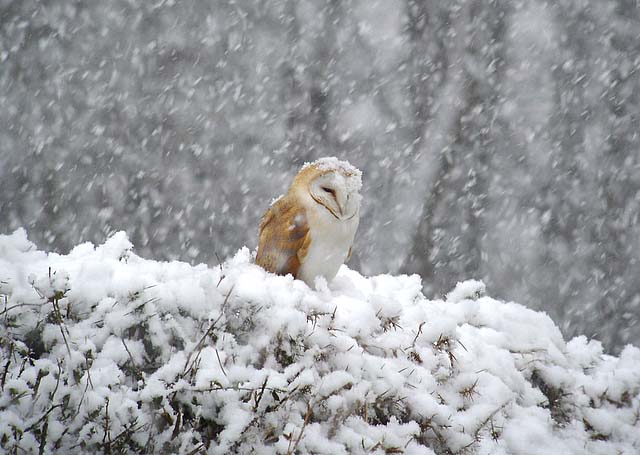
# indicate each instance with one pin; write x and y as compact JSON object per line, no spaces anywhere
{"x":335,"y":185}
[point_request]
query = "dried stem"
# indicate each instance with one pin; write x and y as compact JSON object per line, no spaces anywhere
{"x":200,"y":344}
{"x":291,"y":450}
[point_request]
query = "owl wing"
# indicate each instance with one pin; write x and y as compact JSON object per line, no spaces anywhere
{"x":284,"y":238}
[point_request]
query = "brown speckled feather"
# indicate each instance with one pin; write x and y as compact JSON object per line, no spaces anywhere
{"x":284,"y":238}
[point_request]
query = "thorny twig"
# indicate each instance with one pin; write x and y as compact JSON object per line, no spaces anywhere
{"x":220,"y":363}
{"x":107,"y":430}
{"x":43,"y":437}
{"x":188,"y":365}
{"x":413,"y":344}
{"x":133,"y":362}
{"x":84,"y":392}
{"x":489,"y":418}
{"x":18,"y":305}
{"x":86,"y":387}
{"x":54,"y":300}
{"x":200,"y":344}
{"x":44,"y":416}
{"x":222,"y":277}
{"x":259,"y":395}
{"x":291,"y":450}
{"x":235,"y":388}
{"x":197,"y":449}
{"x":130,"y":429}
{"x":6,"y":365}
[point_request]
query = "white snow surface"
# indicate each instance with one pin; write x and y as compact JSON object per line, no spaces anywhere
{"x":104,"y":351}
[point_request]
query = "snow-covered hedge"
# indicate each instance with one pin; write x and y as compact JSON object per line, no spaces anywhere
{"x":106,"y":352}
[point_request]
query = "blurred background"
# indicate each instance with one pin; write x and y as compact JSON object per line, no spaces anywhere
{"x":499,"y":139}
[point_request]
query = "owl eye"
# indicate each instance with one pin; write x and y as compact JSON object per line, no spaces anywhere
{"x":329,"y":190}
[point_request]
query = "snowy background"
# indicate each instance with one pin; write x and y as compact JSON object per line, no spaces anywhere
{"x":499,"y":140}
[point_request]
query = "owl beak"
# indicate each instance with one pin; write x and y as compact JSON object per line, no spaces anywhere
{"x":342,"y":203}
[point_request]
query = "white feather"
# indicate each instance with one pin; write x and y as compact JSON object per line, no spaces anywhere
{"x":331,"y":240}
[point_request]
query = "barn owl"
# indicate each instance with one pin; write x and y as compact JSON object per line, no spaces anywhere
{"x":309,"y":231}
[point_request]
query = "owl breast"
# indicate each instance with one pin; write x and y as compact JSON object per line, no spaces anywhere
{"x":331,"y":240}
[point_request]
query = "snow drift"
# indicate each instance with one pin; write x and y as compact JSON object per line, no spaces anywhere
{"x":104,"y":351}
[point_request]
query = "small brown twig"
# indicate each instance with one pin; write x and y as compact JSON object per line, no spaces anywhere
{"x":60,"y":322}
{"x":307,"y":417}
{"x":489,"y":418}
{"x":200,"y":344}
{"x":133,"y":362}
{"x":413,"y":344}
{"x":18,"y":305}
{"x":6,"y":365}
{"x":106,"y":439}
{"x":197,"y":449}
{"x":220,"y":363}
{"x":44,"y":416}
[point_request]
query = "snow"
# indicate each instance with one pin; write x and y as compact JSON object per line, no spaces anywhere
{"x":105,"y":350}
{"x":470,"y":289}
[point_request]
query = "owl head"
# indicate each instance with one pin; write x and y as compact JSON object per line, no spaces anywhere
{"x":333,"y":184}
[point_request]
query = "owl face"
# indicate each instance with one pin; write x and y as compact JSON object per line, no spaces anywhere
{"x":334,"y":191}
